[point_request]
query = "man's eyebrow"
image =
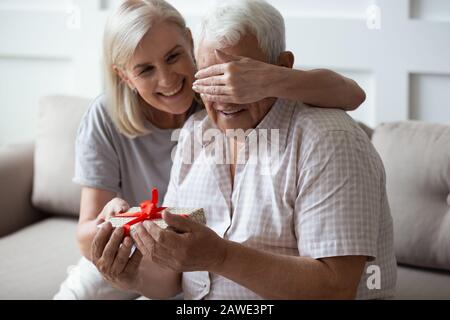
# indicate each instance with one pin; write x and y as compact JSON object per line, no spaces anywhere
{"x":140,"y":65}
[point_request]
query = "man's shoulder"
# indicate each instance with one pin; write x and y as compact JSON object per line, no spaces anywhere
{"x":314,"y":123}
{"x":329,"y":130}
{"x":323,"y":132}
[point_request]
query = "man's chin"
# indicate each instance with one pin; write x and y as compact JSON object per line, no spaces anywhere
{"x":230,"y":125}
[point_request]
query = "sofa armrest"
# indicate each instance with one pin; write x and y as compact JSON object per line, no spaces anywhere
{"x":16,"y":176}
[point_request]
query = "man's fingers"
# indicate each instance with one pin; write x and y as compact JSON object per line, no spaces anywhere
{"x":137,"y":240}
{"x":178,"y":222}
{"x":166,"y":238}
{"x":100,"y":240}
{"x":143,"y":239}
{"x":211,"y":71}
{"x":212,"y":90}
{"x":112,"y":246}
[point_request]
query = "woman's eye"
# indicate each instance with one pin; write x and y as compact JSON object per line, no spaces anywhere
{"x":146,"y":71}
{"x":173,"y":57}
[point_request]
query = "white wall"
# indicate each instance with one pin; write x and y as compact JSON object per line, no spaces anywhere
{"x":54,"y":47}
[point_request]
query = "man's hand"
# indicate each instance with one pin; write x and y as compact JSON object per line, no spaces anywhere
{"x":110,"y":254}
{"x":185,"y":246}
{"x":237,"y":80}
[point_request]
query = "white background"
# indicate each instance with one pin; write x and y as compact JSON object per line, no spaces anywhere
{"x":54,"y":47}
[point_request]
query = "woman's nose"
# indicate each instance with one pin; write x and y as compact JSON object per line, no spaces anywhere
{"x":166,"y":77}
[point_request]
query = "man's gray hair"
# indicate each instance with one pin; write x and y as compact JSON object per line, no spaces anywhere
{"x":229,"y":20}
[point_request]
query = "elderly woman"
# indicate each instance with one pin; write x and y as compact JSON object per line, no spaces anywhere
{"x":124,"y":143}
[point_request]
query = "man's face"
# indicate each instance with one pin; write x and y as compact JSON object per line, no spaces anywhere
{"x":228,"y":115}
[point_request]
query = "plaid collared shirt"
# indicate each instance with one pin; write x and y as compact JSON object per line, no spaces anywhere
{"x":322,"y":195}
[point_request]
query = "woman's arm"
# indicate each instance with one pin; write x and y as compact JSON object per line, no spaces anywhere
{"x":243,"y":80}
{"x":92,"y":205}
{"x":320,"y":88}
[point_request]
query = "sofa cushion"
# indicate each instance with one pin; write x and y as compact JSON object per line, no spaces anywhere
{"x":419,"y":283}
{"x":58,"y":121}
{"x":34,"y":260}
{"x":416,"y":156}
{"x":16,"y":175}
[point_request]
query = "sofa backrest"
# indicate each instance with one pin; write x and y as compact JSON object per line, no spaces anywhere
{"x":416,"y":156}
{"x":58,"y":121}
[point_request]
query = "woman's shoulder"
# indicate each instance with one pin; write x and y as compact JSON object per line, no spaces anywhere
{"x":97,"y":115}
{"x":96,"y":122}
{"x":98,"y":109}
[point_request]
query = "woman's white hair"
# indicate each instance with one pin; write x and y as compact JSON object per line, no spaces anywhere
{"x":229,"y":20}
{"x":124,"y":30}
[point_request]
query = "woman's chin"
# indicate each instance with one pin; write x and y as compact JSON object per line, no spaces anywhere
{"x":176,"y":107}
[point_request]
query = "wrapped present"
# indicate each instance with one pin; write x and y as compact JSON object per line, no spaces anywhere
{"x":149,"y":210}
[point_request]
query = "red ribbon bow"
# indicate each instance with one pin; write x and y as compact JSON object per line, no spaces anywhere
{"x":149,"y":211}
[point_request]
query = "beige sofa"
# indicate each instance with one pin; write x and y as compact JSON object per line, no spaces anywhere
{"x":40,"y":204}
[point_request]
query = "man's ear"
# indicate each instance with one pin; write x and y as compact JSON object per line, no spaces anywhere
{"x":123,"y":76}
{"x":286,"y":59}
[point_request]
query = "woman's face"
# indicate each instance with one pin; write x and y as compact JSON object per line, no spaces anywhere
{"x":162,"y":68}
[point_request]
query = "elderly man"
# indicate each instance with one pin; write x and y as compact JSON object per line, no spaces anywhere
{"x":316,"y":225}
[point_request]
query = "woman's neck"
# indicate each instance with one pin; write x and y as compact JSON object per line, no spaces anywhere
{"x":164,"y":120}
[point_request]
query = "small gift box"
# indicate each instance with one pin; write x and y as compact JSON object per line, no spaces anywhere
{"x":149,"y":210}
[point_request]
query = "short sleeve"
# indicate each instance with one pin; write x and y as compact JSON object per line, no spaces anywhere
{"x":339,"y":201}
{"x":96,"y":159}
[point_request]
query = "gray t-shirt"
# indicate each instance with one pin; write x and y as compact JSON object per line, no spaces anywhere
{"x":108,"y":160}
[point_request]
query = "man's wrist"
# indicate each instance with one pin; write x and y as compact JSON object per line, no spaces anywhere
{"x":222,"y":257}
